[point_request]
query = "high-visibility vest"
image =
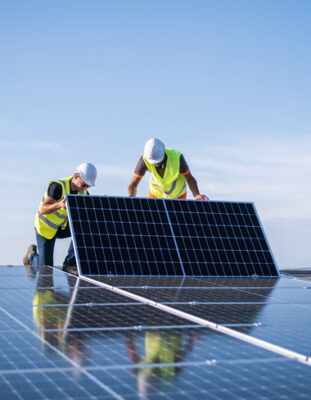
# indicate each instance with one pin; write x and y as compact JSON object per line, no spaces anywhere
{"x":49,"y":317}
{"x":173,"y":183}
{"x":47,"y":224}
{"x":163,"y":348}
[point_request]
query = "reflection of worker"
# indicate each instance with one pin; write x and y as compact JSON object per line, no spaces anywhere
{"x":169,"y":173}
{"x":49,"y":320}
{"x":161,"y":347}
{"x":52,"y":314}
{"x":51,"y":219}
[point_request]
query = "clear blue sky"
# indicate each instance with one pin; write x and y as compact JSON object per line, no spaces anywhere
{"x":225,"y":82}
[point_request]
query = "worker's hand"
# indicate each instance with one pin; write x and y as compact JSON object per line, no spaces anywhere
{"x":201,"y":197}
{"x":62,"y":204}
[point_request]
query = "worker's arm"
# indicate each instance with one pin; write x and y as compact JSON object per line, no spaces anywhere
{"x":193,"y":186}
{"x":51,"y":205}
{"x":132,"y":189}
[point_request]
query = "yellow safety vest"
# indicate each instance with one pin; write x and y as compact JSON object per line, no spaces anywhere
{"x":49,"y":317}
{"x":163,"y":348}
{"x":47,"y":225}
{"x":173,"y":184}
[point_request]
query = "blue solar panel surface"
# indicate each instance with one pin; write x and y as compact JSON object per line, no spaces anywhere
{"x":139,"y":236}
{"x":67,"y":337}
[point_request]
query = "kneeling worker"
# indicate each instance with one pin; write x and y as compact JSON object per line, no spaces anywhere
{"x":51,"y":220}
{"x":169,"y":173}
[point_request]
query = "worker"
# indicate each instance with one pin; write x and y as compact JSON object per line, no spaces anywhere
{"x":51,"y":220}
{"x":169,"y":170}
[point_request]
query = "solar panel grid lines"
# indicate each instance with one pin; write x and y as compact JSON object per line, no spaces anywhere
{"x":126,"y":250}
{"x":146,"y":352}
{"x":176,"y":244}
{"x":68,"y":359}
{"x":141,"y":237}
{"x":190,"y":241}
{"x":183,"y":313}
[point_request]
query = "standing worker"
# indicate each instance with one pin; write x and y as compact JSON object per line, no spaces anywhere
{"x":51,"y":220}
{"x":169,"y":173}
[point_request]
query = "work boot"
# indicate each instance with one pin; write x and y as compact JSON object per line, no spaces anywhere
{"x":32,"y":249}
{"x":70,"y":269}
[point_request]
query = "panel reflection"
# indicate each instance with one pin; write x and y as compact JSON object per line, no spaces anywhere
{"x":138,"y":351}
{"x":80,"y":319}
{"x":69,"y":318}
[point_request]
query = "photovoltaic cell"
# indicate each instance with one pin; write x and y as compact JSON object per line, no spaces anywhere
{"x":140,"y":236}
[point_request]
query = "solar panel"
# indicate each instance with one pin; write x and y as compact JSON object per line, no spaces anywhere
{"x":140,"y":236}
{"x":69,"y":337}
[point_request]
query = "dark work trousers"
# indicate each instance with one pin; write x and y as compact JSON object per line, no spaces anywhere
{"x":46,"y":249}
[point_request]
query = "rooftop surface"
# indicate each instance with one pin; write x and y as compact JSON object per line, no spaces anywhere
{"x":153,"y":337}
{"x":303,"y":273}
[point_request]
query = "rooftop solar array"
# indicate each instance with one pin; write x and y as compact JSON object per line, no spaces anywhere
{"x":141,"y":237}
{"x":70,"y":337}
{"x":175,"y":299}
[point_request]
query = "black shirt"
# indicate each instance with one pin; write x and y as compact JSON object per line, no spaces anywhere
{"x":55,"y":191}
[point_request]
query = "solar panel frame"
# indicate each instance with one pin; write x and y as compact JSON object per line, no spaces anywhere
{"x":141,"y":236}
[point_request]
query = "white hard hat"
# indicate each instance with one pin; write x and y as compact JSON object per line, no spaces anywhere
{"x":88,"y":173}
{"x":154,"y":151}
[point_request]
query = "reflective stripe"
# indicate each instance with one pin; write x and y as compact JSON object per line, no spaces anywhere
{"x":157,"y":186}
{"x":59,"y":215}
{"x":171,"y":189}
{"x":46,"y":221}
{"x":63,"y":224}
{"x":185,"y":173}
{"x":185,"y":185}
